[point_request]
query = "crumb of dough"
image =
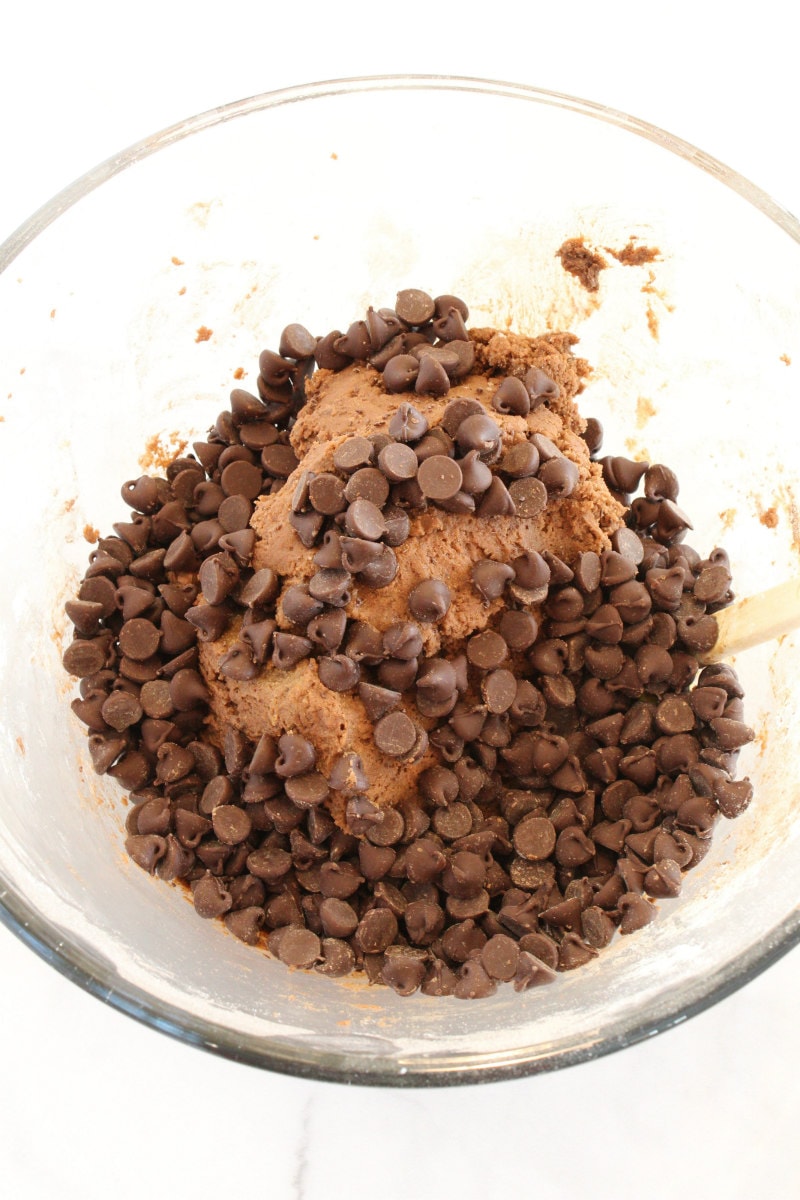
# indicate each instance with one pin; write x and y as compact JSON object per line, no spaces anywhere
{"x":633,"y":255}
{"x":645,"y":409}
{"x":583,"y":263}
{"x":652,"y":323}
{"x":161,"y":449}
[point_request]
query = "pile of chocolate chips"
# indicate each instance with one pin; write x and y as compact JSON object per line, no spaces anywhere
{"x":583,"y":756}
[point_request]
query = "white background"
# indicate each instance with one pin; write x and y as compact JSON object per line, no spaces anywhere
{"x":92,"y":1104}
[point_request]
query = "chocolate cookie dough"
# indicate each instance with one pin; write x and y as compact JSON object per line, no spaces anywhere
{"x":400,"y":676}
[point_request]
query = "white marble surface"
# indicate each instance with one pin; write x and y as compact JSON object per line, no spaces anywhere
{"x":92,"y":1104}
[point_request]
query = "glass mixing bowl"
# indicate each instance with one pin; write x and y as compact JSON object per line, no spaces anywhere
{"x":301,"y":206}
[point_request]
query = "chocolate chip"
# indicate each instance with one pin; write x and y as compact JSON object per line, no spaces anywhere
{"x":732,"y":796}
{"x":395,"y":735}
{"x":463,"y":350}
{"x":398,"y":462}
{"x":364,"y":519}
{"x":326,"y":354}
{"x":432,"y":379}
{"x":408,"y":424}
{"x":489,"y":579}
{"x":238,"y":663}
{"x":298,"y":606}
{"x":259,"y":635}
{"x":146,"y":850}
{"x":622,"y":474}
{"x":540,"y":387}
{"x":381,"y":571}
{"x":120,"y":711}
{"x":660,"y":483}
{"x":352,"y":454}
{"x":139,"y":639}
{"x":439,"y":477}
{"x":429,"y":601}
{"x":731,"y":734}
{"x":439,"y":785}
{"x":398,"y":525}
{"x":499,"y":690}
{"x":355,"y":343}
{"x":512,"y":397}
{"x":211,"y":899}
{"x":377,"y":701}
{"x":331,"y":586}
{"x":356,"y":554}
{"x":487,"y":650}
{"x":326,"y":493}
{"x":260,"y":589}
{"x":663,"y":879}
{"x":442,"y":304}
{"x":479,"y":432}
{"x":245,"y":924}
{"x":231,"y":824}
{"x":628,"y":543}
{"x":338,"y":673}
{"x":457,"y":412}
{"x":534,"y":838}
{"x":338,"y":918}
{"x":453,"y":822}
{"x":496,"y":501}
{"x":187,"y":690}
{"x":675,"y":715}
{"x":529,"y":496}
{"x":560,"y":476}
{"x":297,"y":947}
{"x":376,"y":930}
{"x":424,"y":921}
{"x":307,"y":526}
{"x":520,"y":461}
{"x":307,"y":790}
{"x":375,"y":861}
{"x":476,"y":476}
{"x":500,"y":957}
{"x":698,"y":633}
{"x":461,"y":503}
{"x":288,"y":650}
{"x":368,"y":483}
{"x":436,"y":682}
{"x":279,"y":461}
{"x":665,"y":586}
{"x":473,"y":982}
{"x":365,"y":644}
{"x":400,"y":373}
{"x":449,"y":324}
{"x":330,"y":552}
{"x":219,"y":575}
{"x":712,"y":584}
{"x":518,"y":629}
{"x":296,"y":755}
{"x":241,"y":479}
{"x":671,"y":522}
{"x":414,"y":307}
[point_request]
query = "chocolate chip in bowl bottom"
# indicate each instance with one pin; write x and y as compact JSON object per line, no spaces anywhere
{"x":412,"y":687}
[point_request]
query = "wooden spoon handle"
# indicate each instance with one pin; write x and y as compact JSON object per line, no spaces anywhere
{"x":757,"y":619}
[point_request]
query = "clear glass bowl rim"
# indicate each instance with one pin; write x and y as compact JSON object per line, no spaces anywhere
{"x":76,"y":965}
